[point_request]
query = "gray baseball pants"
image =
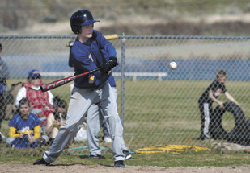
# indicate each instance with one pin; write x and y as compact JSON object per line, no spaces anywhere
{"x":94,"y":118}
{"x":80,"y":102}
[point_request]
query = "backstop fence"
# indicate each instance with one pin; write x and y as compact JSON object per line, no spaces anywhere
{"x":157,"y":105}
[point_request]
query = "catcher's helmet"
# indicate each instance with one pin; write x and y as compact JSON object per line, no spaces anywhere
{"x":80,"y":18}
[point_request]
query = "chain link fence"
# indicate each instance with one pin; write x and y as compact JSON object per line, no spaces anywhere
{"x":157,"y":105}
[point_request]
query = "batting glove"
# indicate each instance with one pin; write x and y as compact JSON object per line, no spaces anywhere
{"x":113,"y":61}
{"x":105,"y":68}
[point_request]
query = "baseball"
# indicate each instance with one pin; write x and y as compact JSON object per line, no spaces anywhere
{"x":173,"y":65}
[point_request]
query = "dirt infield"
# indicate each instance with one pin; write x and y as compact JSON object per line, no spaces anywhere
{"x":110,"y":169}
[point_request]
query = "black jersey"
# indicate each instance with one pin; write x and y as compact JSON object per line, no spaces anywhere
{"x":216,"y":87}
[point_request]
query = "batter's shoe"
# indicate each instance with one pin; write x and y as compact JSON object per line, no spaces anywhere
{"x":40,"y":162}
{"x":127,"y":154}
{"x":119,"y":163}
{"x":98,"y":156}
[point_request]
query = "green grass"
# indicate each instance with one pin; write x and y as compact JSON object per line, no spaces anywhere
{"x":160,"y":160}
{"x":157,"y":113}
{"x":168,"y":110}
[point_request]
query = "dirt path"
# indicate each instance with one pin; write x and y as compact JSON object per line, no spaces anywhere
{"x":4,"y":168}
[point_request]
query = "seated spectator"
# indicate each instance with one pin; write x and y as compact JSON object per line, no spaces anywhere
{"x":41,"y":102}
{"x":4,"y":75}
{"x":57,"y":119}
{"x":24,"y":127}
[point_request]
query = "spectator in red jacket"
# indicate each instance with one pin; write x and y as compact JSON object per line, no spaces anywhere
{"x":41,"y":102}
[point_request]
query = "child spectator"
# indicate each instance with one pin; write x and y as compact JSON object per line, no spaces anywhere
{"x":4,"y":75}
{"x":57,"y":119}
{"x":24,"y":127}
{"x":207,"y":98}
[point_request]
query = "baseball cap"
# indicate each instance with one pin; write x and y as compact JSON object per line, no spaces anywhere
{"x":33,"y":73}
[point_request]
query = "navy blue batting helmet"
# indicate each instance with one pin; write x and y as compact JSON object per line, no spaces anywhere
{"x":79,"y":19}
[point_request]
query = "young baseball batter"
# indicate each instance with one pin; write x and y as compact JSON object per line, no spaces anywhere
{"x":98,"y":116}
{"x":85,"y":55}
{"x":207,"y":98}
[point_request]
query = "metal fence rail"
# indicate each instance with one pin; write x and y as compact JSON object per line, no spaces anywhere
{"x":152,"y":112}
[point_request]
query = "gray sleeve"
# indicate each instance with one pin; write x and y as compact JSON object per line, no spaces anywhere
{"x":4,"y":71}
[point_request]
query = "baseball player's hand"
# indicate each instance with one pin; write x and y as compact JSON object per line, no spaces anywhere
{"x":63,"y":123}
{"x":32,"y":139}
{"x":113,"y":61}
{"x":21,"y":135}
{"x":237,"y":103}
{"x":221,"y":104}
{"x":57,"y":123}
{"x":105,"y":68}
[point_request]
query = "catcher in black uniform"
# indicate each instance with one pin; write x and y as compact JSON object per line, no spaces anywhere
{"x":207,"y":98}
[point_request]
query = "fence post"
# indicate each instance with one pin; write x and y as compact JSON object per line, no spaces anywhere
{"x":122,"y":79}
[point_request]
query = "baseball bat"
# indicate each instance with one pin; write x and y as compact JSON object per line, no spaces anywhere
{"x":57,"y":83}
